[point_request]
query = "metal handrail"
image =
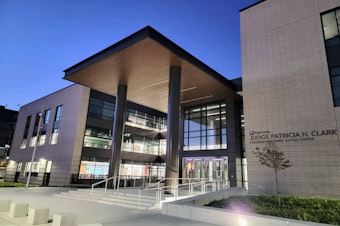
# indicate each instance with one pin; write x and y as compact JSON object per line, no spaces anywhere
{"x":204,"y":183}
{"x":106,"y":181}
{"x":193,"y":182}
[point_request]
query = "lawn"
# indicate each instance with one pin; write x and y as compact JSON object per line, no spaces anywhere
{"x":11,"y":184}
{"x":318,"y":210}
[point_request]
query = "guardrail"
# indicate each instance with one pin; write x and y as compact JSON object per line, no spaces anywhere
{"x":192,"y":183}
{"x":187,"y":186}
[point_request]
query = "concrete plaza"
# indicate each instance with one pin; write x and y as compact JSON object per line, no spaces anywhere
{"x":87,"y":212}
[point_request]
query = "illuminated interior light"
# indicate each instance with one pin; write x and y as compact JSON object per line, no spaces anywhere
{"x":183,"y":90}
{"x":154,"y":84}
{"x":213,"y":107}
{"x":195,"y":99}
{"x":196,"y":110}
{"x":218,"y":119}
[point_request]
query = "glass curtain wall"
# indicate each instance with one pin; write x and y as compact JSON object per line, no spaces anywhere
{"x":205,"y":127}
{"x":134,"y":170}
{"x":144,"y":145}
{"x":331,"y":31}
{"x":209,"y":168}
{"x":146,"y":121}
{"x":101,"y":139}
{"x":93,"y":168}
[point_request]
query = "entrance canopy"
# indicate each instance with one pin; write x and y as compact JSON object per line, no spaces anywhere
{"x":142,"y":62}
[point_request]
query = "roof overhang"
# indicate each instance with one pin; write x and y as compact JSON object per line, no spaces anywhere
{"x":142,"y":62}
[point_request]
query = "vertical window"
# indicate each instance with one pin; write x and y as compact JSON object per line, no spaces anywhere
{"x":58,"y":113}
{"x":27,"y":126}
{"x":205,"y":127}
{"x":331,"y":31}
{"x":43,"y":127}
{"x":46,"y":116}
{"x":55,"y":131}
{"x":35,"y":130}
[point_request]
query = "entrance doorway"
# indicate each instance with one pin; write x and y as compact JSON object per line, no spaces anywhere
{"x":209,"y":168}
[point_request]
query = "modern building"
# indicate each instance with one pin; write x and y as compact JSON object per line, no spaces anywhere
{"x":144,"y":107}
{"x":291,"y":93}
{"x":8,"y":119}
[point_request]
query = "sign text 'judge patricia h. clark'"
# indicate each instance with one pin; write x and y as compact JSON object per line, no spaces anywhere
{"x":264,"y":136}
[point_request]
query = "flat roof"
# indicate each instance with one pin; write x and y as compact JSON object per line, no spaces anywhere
{"x":260,"y":1}
{"x":142,"y":62}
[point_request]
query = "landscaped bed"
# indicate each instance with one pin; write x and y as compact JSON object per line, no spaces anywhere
{"x":318,"y":210}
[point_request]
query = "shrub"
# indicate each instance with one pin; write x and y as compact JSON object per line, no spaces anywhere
{"x":307,"y":209}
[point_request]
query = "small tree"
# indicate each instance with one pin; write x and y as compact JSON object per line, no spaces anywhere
{"x":274,"y":158}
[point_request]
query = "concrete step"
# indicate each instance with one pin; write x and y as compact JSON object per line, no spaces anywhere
{"x":134,"y":202}
{"x":124,"y":199}
{"x":67,"y":196}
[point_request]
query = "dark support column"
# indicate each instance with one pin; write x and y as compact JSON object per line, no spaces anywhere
{"x":117,"y":133}
{"x":234,"y":139}
{"x":172,"y":146}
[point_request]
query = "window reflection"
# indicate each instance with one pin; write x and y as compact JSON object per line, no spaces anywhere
{"x":331,"y":30}
{"x":205,"y":127}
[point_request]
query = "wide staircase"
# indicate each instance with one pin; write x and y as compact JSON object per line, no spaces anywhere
{"x":145,"y":198}
{"x":125,"y":197}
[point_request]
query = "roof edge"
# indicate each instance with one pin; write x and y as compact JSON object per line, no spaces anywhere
{"x":252,"y":5}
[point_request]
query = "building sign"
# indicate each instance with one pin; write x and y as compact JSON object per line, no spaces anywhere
{"x":265,"y":136}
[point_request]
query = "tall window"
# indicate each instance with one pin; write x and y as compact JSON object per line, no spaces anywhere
{"x":27,"y":126}
{"x":35,"y":130}
{"x":43,"y":127}
{"x":101,"y":109}
{"x":205,"y":127}
{"x":55,"y":131}
{"x":331,"y":31}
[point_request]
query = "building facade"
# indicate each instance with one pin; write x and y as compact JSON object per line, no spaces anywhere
{"x":141,"y":129}
{"x":58,"y":147}
{"x":291,"y":74}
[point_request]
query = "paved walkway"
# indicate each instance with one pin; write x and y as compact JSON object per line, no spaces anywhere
{"x":87,"y":212}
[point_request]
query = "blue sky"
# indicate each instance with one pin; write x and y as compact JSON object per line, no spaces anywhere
{"x":39,"y":39}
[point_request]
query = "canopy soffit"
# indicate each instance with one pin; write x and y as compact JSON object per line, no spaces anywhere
{"x":142,"y":61}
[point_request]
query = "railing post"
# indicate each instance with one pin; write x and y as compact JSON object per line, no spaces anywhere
{"x":106,"y":185}
{"x":139,"y":196}
{"x":158,"y":196}
{"x":118,"y":183}
{"x":91,"y":193}
{"x":192,"y":188}
{"x":176,"y":191}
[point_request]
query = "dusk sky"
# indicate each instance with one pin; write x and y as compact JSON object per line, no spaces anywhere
{"x":39,"y":39}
